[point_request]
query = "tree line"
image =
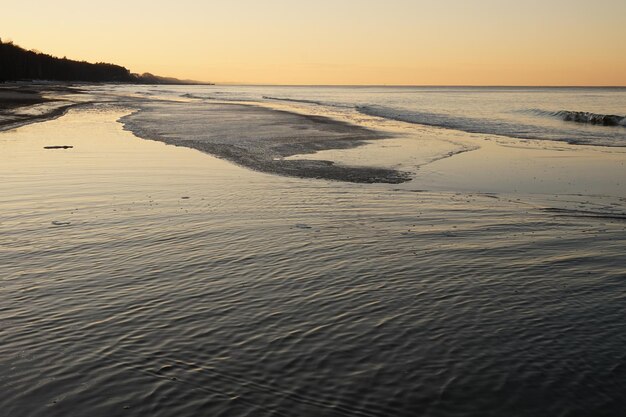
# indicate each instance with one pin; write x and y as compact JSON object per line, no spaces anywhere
{"x":19,"y":64}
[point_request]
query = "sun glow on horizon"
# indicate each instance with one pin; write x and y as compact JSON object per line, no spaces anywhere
{"x":349,"y":42}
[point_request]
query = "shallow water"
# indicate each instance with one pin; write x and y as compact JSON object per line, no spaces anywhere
{"x":495,"y":161}
{"x":144,"y":279}
{"x":557,"y":114}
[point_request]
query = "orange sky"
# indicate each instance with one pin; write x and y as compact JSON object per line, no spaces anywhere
{"x":402,"y":42}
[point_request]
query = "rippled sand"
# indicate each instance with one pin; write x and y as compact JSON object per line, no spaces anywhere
{"x":142,"y":279}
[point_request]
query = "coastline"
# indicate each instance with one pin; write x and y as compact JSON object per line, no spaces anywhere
{"x":307,"y":142}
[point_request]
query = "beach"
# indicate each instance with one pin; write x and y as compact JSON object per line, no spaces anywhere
{"x":24,"y":103}
{"x":208,"y":251}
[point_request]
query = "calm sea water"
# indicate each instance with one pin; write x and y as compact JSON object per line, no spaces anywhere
{"x":141,"y":279}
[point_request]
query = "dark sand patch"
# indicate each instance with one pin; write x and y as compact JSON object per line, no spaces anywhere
{"x":11,"y":98}
{"x":259,"y":138}
{"x":24,"y":103}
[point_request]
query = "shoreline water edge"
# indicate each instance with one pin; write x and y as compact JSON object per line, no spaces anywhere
{"x":322,"y":139}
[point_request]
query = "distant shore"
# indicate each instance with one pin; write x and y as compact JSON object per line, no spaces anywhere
{"x":17,"y":63}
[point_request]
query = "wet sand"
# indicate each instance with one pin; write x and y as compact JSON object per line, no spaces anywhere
{"x":25,"y":103}
{"x":255,"y":137}
{"x":261,"y":138}
{"x":13,"y":97}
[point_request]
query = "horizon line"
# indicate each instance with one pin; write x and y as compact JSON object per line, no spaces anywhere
{"x":416,"y":85}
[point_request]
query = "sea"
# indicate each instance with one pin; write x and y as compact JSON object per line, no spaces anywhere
{"x":576,"y":115}
{"x":139,"y":278}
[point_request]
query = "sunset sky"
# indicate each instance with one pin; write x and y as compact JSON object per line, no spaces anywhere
{"x":401,"y":42}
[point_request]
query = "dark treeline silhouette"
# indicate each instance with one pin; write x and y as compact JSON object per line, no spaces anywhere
{"x":19,"y":64}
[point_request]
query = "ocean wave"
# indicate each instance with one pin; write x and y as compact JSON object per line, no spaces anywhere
{"x":422,"y":118}
{"x":513,"y":129}
{"x":583,"y":117}
{"x":318,"y":103}
{"x":219,"y":97}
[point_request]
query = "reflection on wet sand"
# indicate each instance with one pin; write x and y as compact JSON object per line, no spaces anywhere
{"x":139,"y":278}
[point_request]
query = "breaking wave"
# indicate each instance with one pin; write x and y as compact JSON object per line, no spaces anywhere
{"x":513,"y":128}
{"x":584,"y":117}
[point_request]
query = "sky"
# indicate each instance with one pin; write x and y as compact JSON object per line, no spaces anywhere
{"x":340,"y":42}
